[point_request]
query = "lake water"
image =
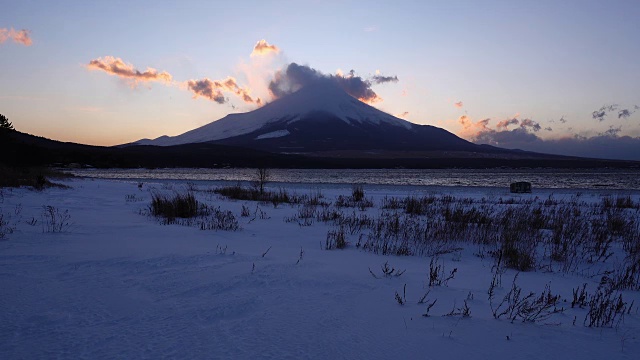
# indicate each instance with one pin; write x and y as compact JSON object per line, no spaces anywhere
{"x":540,"y":178}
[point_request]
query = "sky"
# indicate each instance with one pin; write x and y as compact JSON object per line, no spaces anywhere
{"x":550,"y":76}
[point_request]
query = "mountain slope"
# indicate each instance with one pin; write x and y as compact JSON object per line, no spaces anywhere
{"x":322,"y":131}
{"x":320,"y":118}
{"x":325,"y":98}
{"x":23,"y":150}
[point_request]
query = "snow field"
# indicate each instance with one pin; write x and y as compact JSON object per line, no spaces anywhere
{"x":118,"y":284}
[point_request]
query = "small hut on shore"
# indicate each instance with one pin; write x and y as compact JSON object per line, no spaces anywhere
{"x":520,"y":187}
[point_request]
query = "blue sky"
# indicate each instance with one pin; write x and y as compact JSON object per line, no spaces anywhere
{"x":536,"y":62}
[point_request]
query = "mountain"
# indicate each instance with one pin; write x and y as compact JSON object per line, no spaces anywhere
{"x":25,"y":150}
{"x":317,"y":127}
{"x":22,"y":150}
{"x":321,"y":118}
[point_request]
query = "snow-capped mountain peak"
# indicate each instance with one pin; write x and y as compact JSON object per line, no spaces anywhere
{"x":323,"y":97}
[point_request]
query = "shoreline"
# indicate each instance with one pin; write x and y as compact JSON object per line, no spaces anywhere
{"x":550,"y":180}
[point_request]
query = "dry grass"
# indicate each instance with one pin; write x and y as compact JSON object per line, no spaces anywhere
{"x":35,"y":177}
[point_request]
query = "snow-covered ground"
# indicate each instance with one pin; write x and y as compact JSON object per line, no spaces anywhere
{"x":116,"y":283}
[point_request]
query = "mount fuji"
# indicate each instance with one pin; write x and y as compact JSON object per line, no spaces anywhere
{"x":321,"y":118}
{"x":319,"y":126}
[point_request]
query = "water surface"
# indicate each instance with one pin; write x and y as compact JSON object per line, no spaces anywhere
{"x":540,"y":178}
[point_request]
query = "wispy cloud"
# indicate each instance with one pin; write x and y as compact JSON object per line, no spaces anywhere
{"x":472,"y":129}
{"x":402,"y":115}
{"x":530,"y":124}
{"x":504,"y":124}
{"x":213,"y":90}
{"x":206,"y":89}
{"x":602,"y":113}
{"x":626,"y":113}
{"x":480,"y":131}
{"x":380,"y":79}
{"x":116,"y":66}
{"x":20,"y":37}
{"x":611,"y":132}
{"x":608,"y":144}
{"x":262,"y":48}
{"x":260,"y":74}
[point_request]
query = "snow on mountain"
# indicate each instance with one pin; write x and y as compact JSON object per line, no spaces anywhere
{"x":323,"y":97}
{"x":273,"y":134}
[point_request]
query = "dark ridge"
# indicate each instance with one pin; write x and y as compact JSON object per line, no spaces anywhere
{"x":21,"y":150}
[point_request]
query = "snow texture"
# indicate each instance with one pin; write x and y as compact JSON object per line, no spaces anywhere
{"x":326,"y":98}
{"x":273,"y":134}
{"x":117,"y":284}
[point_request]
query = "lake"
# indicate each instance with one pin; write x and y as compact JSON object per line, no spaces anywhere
{"x":612,"y":179}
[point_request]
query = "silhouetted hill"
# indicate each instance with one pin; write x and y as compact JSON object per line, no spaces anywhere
{"x":20,"y":149}
{"x":27,"y":150}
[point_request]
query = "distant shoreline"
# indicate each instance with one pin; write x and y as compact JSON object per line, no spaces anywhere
{"x":592,"y":180}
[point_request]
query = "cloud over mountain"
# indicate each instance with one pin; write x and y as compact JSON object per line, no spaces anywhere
{"x":261,"y":77}
{"x":294,"y":77}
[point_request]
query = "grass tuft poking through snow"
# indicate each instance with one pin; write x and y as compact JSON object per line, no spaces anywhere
{"x":124,"y":286}
{"x":5,"y":228}
{"x":335,"y":239}
{"x":178,"y":206}
{"x":184,"y":209}
{"x":55,"y":220}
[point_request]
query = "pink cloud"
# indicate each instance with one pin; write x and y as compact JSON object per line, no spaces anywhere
{"x":503,"y":124}
{"x":264,"y":48}
{"x":480,"y":132}
{"x":472,"y":129}
{"x":20,"y":37}
{"x":213,"y":90}
{"x":116,"y":66}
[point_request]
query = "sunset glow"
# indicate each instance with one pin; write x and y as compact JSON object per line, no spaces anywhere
{"x":467,"y":68}
{"x":116,"y":66}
